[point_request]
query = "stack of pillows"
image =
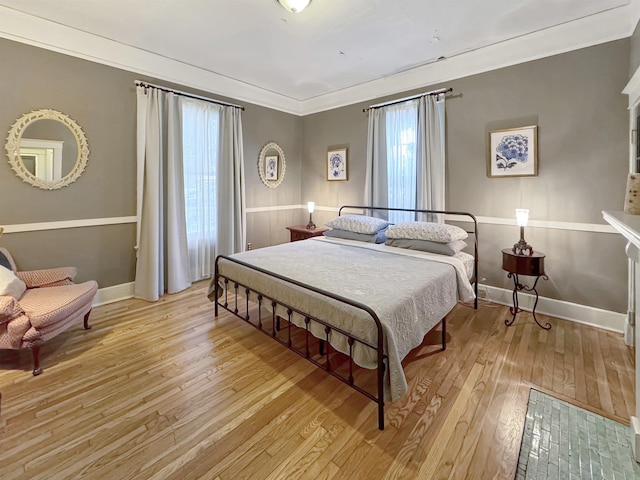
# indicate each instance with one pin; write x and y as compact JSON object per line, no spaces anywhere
{"x":439,"y":238}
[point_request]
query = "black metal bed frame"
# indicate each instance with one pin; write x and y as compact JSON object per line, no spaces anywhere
{"x":222,"y":300}
{"x":474,"y":232}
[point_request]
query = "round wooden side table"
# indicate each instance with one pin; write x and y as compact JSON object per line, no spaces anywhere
{"x":529,"y":265}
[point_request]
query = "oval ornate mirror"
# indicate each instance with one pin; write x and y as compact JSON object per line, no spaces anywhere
{"x":47,"y":149}
{"x":271,"y":165}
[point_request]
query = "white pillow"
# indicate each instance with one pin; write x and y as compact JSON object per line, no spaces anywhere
{"x":11,"y":285}
{"x":434,"y":232}
{"x":358,"y":224}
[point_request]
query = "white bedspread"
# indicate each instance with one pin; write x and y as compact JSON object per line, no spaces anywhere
{"x":410,"y":291}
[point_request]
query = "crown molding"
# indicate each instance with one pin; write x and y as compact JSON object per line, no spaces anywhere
{"x":601,"y":28}
{"x":607,"y":26}
{"x":38,"y":32}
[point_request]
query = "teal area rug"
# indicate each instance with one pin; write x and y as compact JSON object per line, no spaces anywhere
{"x":564,"y":442}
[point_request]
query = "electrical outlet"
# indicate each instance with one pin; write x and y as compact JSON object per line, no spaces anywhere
{"x":482,"y":288}
{"x":249,"y":246}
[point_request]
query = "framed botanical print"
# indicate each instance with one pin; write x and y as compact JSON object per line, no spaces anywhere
{"x":271,"y":167}
{"x":337,"y":164}
{"x":513,"y":152}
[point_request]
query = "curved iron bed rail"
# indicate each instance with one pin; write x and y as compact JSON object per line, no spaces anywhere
{"x":379,"y":347}
{"x":380,"y":334}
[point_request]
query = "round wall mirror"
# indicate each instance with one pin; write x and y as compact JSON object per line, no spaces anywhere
{"x":47,"y":149}
{"x":271,"y":165}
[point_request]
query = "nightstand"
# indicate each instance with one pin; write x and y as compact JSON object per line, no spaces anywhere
{"x":529,"y":265}
{"x":301,"y":232}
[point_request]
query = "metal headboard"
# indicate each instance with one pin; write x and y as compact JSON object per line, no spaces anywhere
{"x":473,"y":231}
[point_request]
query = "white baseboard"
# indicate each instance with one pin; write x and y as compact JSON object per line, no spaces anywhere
{"x":113,"y":294}
{"x":592,"y":316}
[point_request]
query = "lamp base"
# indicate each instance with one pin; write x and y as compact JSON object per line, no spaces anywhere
{"x":311,"y":225}
{"x":522,"y":247}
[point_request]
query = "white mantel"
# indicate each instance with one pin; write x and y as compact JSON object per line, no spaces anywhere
{"x":629,"y":227}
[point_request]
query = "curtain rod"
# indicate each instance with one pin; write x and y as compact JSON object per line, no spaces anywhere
{"x":185,"y":94}
{"x":405,"y":99}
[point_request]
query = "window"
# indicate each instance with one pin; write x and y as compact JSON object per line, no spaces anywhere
{"x":401,"y":129}
{"x":200,"y":150}
{"x":406,"y":157}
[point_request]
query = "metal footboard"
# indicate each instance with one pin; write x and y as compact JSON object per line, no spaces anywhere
{"x":230,"y":294}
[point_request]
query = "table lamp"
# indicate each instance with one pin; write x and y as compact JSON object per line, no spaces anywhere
{"x":522,"y":218}
{"x":311,"y":207}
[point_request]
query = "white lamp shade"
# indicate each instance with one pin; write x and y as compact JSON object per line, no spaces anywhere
{"x":311,"y":206}
{"x":522,"y":216}
{"x":294,"y":6}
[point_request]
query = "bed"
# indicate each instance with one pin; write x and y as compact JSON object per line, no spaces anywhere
{"x":369,"y":303}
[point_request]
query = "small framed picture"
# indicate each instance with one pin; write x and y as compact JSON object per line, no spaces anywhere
{"x":513,"y":152}
{"x":337,"y":164}
{"x":271,"y":167}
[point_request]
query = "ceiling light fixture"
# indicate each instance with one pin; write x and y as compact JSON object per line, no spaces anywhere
{"x":294,"y":6}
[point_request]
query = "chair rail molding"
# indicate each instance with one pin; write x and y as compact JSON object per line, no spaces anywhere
{"x":85,"y":222}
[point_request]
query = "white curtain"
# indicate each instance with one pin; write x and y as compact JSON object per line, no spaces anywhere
{"x":162,"y":255}
{"x":232,"y":220}
{"x":201,"y":122}
{"x":191,"y":190}
{"x":401,"y":127}
{"x":431,"y":153}
{"x":214,"y":184}
{"x":406,"y":157}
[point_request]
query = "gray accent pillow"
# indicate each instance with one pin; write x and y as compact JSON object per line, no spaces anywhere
{"x":450,"y":248}
{"x":434,"y":232}
{"x":378,"y":237}
{"x":358,"y":223}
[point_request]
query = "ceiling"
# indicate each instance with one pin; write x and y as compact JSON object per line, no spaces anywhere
{"x":332,"y":46}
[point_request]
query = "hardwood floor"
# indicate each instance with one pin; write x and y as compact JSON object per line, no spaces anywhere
{"x":164,"y":390}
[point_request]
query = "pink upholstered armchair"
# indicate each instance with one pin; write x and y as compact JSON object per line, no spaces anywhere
{"x":48,"y":306}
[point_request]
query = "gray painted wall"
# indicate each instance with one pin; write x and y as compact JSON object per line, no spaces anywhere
{"x":101,"y":99}
{"x":575,"y":100}
{"x":262,"y":125}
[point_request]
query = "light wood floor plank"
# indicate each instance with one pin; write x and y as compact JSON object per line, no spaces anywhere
{"x":166,"y":391}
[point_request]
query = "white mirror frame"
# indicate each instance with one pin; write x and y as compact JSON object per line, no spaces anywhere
{"x":281,"y":169}
{"x":13,"y":149}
